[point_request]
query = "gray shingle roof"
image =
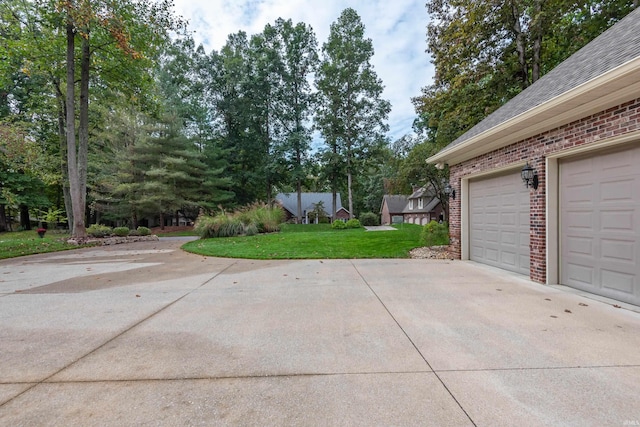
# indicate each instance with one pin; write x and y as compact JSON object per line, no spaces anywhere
{"x":289,"y":201}
{"x":396,"y":203}
{"x":616,"y":46}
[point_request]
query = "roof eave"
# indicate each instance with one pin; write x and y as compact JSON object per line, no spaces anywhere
{"x":605,"y":91}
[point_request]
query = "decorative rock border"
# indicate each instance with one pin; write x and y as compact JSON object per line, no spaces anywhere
{"x":114,"y":240}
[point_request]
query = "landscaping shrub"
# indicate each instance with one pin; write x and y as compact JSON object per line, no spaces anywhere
{"x":143,"y":231}
{"x":121,"y":231}
{"x":266,"y":218}
{"x":353,"y":223}
{"x":435,"y":234}
{"x":251,"y":229}
{"x":338,"y":225}
{"x":134,"y":233}
{"x":98,"y":230}
{"x":220,"y":225}
{"x":369,"y":219}
{"x":230,"y":227}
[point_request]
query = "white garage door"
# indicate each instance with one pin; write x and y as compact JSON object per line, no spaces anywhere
{"x":499,"y":222}
{"x":600,"y":224}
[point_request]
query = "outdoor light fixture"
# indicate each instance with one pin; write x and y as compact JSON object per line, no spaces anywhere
{"x":450,"y":191}
{"x":529,"y":177}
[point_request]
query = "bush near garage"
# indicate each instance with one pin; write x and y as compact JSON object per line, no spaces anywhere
{"x":435,"y":234}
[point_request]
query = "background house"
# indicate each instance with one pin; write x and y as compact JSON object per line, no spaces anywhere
{"x":289,"y":202}
{"x":422,"y":206}
{"x":578,"y":127}
{"x":392,"y":208}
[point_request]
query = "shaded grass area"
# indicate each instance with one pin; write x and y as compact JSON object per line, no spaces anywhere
{"x":313,"y":242}
{"x":20,"y":243}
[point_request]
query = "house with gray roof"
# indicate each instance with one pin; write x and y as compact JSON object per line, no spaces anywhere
{"x":549,"y":184}
{"x":289,"y":202}
{"x":391,"y":209}
{"x":420,"y":207}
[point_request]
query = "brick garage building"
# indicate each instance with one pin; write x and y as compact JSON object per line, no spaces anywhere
{"x":578,"y":127}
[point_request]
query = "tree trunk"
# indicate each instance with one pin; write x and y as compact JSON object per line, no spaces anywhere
{"x":161,"y":220}
{"x":25,"y":221}
{"x":66,"y":193}
{"x":83,"y":131}
{"x":78,"y":229}
{"x":536,"y":27}
{"x":349,"y":187}
{"x":3,"y":219}
{"x":520,"y":45}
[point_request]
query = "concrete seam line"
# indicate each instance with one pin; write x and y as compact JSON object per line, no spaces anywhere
{"x":118,"y":335}
{"x":413,"y":344}
{"x":539,"y":368}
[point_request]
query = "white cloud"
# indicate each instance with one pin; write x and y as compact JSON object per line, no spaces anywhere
{"x":396,"y":28}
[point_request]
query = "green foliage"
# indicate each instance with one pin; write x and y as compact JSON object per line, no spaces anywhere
{"x":435,"y":234}
{"x":369,"y":219}
{"x":143,"y":231}
{"x":99,"y":230}
{"x":121,"y":231}
{"x":339,"y":225}
{"x":353,"y":223}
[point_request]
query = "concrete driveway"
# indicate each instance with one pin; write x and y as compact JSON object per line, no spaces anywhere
{"x":145,"y":334}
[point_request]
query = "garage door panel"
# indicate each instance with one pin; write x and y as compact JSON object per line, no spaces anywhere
{"x":499,"y":223}
{"x":618,"y":281}
{"x":618,"y":250}
{"x":600,"y":232}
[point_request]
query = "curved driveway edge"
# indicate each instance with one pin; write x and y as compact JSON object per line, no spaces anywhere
{"x":145,"y":333}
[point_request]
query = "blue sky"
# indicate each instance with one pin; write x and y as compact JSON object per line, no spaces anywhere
{"x":397,"y":29}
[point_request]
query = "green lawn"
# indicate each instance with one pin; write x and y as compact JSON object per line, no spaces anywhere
{"x":15,"y":244}
{"x":313,"y":242}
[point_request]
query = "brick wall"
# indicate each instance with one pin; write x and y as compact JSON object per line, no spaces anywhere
{"x":613,"y":122}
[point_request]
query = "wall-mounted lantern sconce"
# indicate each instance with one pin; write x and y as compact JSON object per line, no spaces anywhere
{"x":529,"y":177}
{"x":450,"y":191}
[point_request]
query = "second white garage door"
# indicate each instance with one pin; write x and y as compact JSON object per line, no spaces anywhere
{"x":499,"y":222}
{"x":600,"y":223}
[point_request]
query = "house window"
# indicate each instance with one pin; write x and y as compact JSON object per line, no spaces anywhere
{"x":420,"y":203}
{"x":411,"y":205}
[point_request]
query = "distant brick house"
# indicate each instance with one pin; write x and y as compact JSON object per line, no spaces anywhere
{"x":392,"y":208}
{"x":420,"y":207}
{"x":289,"y":202}
{"x":578,"y":127}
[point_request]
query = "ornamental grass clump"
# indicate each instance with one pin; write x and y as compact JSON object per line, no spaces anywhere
{"x":248,"y":221}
